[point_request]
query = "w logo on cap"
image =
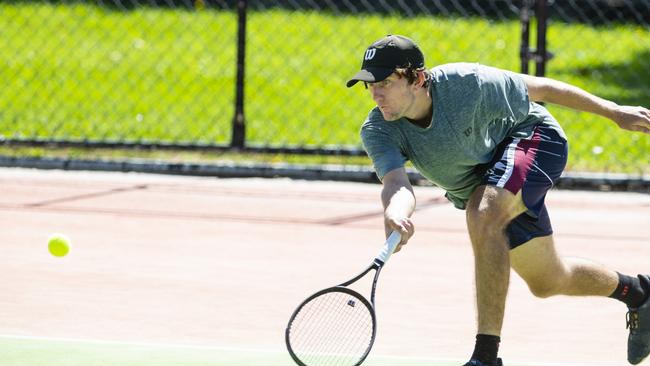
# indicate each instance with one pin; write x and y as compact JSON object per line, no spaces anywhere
{"x":370,"y":53}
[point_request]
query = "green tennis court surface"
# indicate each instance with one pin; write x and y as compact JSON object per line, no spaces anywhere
{"x":21,"y":351}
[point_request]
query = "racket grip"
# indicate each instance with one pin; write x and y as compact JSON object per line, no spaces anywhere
{"x":389,"y":247}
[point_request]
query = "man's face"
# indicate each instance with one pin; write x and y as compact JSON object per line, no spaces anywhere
{"x":393,"y":95}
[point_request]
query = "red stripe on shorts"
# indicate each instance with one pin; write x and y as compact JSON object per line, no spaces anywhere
{"x":525,"y":154}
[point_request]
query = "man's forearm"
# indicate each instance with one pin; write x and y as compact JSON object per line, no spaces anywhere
{"x":399,"y":202}
{"x":560,"y":93}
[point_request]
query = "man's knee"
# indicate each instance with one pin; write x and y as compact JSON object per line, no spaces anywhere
{"x":543,"y":290}
{"x":491,"y":208}
{"x":544,"y":286}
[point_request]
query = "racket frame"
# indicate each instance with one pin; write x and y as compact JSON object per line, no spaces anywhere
{"x":376,"y":265}
{"x":348,"y":291}
{"x":389,"y":247}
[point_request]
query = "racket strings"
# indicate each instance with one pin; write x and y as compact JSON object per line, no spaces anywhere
{"x":335,"y":345}
{"x":342,"y":324}
{"x":345,"y":325}
{"x":333,"y":329}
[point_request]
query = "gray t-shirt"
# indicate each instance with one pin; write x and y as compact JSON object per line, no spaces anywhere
{"x":475,"y":107}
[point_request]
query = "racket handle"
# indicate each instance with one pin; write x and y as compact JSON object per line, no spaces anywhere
{"x":389,"y":247}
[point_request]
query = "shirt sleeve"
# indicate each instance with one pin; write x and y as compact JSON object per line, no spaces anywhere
{"x":381,"y":145}
{"x":504,"y":94}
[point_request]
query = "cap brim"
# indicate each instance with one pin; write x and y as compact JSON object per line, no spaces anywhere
{"x":370,"y":74}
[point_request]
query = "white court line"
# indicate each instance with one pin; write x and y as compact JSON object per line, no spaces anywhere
{"x":251,"y":350}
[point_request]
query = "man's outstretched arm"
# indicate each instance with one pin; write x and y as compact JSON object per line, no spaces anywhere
{"x":548,"y":90}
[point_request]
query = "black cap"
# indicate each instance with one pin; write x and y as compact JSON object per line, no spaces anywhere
{"x":385,"y":55}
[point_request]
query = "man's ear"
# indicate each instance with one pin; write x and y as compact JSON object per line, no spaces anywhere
{"x":421,"y":78}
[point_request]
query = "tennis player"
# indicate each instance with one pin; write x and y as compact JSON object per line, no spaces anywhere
{"x":477,"y":132}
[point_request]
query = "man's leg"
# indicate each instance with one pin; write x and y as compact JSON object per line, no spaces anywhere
{"x":489,"y":211}
{"x":548,"y":274}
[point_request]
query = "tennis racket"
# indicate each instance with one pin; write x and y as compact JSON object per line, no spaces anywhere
{"x":336,"y":326}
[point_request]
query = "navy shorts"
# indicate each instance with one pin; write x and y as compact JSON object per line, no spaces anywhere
{"x":531,"y":165}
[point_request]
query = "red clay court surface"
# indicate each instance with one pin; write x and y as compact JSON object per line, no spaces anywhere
{"x":223,"y":262}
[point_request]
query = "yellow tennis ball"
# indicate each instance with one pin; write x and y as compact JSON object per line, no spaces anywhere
{"x":58,"y":245}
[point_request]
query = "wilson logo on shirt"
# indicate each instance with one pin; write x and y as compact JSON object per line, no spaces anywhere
{"x":467,"y":132}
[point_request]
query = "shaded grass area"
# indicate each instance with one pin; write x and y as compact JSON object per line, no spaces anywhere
{"x":201,"y":157}
{"x":84,"y":71}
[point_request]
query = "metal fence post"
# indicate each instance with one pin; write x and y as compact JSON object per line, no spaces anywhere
{"x":540,"y":55}
{"x":238,"y":123}
{"x":524,"y":50}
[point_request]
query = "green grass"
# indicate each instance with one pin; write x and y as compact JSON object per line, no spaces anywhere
{"x":83,"y":71}
{"x":53,"y":352}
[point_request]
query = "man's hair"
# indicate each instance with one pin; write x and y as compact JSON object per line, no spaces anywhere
{"x":411,"y":75}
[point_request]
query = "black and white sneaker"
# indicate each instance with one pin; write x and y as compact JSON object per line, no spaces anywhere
{"x":638,"y":321}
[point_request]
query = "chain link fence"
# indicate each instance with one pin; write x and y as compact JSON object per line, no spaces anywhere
{"x":163,"y":73}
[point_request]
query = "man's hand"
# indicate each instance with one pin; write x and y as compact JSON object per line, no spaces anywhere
{"x":633,"y":119}
{"x":399,"y":204}
{"x":404,"y":226}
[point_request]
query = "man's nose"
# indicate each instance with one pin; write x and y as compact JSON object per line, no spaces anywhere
{"x":376,"y":94}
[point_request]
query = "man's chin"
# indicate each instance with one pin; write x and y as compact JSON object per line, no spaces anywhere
{"x":389,"y":117}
